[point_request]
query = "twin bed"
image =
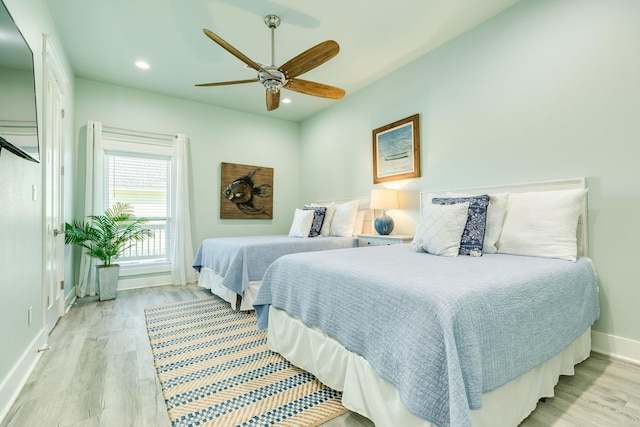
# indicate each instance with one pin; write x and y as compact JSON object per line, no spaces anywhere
{"x":416,"y":339}
{"x":233,"y":267}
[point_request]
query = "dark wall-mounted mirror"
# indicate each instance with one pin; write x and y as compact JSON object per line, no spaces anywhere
{"x":18,"y":117}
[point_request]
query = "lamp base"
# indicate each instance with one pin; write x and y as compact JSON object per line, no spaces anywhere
{"x":383,"y":224}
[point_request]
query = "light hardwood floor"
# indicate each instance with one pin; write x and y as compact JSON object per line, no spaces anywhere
{"x":99,"y":372}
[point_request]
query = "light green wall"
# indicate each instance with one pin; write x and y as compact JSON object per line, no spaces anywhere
{"x":20,"y":258}
{"x":21,"y":237}
{"x":549,"y":89}
{"x":216,"y":135}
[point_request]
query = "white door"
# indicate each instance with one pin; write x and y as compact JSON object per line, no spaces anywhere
{"x":53,"y":200}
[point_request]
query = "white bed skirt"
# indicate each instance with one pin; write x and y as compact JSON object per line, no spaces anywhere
{"x":211,"y":280}
{"x":366,"y":393}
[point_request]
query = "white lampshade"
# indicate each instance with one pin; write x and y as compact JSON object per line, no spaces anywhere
{"x":384,"y":198}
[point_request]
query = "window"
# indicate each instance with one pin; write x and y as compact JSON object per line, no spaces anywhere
{"x":140,"y":174}
{"x":150,"y":171}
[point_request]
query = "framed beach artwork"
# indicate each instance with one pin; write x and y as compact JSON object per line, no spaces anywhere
{"x":246,"y":191}
{"x":396,"y":150}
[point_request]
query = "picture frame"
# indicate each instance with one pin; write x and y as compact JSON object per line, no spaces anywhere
{"x":396,"y":150}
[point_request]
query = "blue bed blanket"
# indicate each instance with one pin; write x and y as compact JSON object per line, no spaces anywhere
{"x":442,"y":330}
{"x":243,"y":259}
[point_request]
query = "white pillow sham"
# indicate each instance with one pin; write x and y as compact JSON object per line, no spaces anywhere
{"x":416,"y":243}
{"x":344,"y":219}
{"x":357,"y":229}
{"x":495,"y":216}
{"x":302,"y":220}
{"x":441,"y":228}
{"x":542,"y":224}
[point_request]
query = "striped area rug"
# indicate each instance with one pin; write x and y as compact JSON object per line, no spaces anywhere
{"x":216,"y":370}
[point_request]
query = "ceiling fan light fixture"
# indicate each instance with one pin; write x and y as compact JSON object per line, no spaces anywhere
{"x":273,"y":87}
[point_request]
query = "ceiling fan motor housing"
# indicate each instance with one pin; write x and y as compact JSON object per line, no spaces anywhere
{"x":273,"y":80}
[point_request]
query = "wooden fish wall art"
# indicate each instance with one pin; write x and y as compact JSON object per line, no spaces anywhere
{"x":246,"y":192}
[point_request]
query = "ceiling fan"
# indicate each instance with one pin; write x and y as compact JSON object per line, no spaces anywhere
{"x":275,"y":78}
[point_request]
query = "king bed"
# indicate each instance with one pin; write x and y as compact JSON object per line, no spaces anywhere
{"x":412,"y":338}
{"x":232,"y":267}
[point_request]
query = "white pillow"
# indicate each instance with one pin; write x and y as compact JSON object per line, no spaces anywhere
{"x":328,"y":217}
{"x":441,"y":228}
{"x":495,"y":216}
{"x":357,"y":228}
{"x":542,"y":224}
{"x":302,"y":220}
{"x":344,"y":219}
{"x":425,"y":200}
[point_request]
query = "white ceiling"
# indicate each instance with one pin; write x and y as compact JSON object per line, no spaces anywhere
{"x":103,"y":39}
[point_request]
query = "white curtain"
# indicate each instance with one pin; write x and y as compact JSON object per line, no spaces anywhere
{"x":93,"y":201}
{"x":182,"y":271}
{"x":182,"y":249}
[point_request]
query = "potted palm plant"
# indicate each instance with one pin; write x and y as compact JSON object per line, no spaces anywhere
{"x":106,"y":237}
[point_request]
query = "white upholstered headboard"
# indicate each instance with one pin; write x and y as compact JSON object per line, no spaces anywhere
{"x":565,"y":184}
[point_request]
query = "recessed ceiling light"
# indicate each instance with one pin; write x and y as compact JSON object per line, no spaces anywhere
{"x":286,"y":101}
{"x":142,"y":64}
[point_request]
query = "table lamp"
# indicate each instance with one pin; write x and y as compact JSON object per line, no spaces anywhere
{"x":383,"y":198}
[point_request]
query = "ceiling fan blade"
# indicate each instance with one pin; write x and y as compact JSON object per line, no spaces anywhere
{"x":310,"y":59}
{"x":233,"y":82}
{"x":273,"y":100}
{"x":315,"y":89}
{"x":232,"y":50}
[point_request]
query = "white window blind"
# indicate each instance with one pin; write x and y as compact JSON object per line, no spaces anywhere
{"x":143,"y":181}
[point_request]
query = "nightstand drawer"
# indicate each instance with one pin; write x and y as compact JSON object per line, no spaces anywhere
{"x":378,"y":240}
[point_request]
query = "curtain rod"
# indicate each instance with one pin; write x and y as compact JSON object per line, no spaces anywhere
{"x":140,"y":134}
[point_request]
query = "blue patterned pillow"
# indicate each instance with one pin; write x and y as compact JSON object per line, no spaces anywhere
{"x":318,"y":219}
{"x":473,"y":234}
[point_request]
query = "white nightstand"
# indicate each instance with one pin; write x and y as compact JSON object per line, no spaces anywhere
{"x":378,"y":240}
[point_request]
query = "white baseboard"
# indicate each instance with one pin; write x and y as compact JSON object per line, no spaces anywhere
{"x":69,"y":299}
{"x":135,"y":282}
{"x":19,"y":374}
{"x":617,"y":347}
